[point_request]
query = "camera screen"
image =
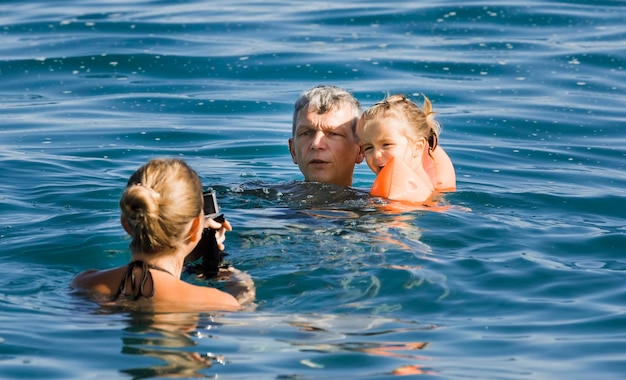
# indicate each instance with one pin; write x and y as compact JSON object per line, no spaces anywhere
{"x":211,"y":208}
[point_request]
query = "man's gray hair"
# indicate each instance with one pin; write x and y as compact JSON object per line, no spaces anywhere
{"x":324,"y":98}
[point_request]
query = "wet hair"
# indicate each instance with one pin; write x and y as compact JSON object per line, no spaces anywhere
{"x":159,"y":201}
{"x":325,"y":98}
{"x":422,"y":120}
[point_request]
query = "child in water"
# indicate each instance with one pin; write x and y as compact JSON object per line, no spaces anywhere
{"x":400,"y":144}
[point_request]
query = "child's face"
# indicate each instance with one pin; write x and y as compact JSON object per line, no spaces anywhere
{"x":385,"y":138}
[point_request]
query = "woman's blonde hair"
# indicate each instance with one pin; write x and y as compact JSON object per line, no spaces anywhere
{"x":422,"y":120}
{"x":159,"y":201}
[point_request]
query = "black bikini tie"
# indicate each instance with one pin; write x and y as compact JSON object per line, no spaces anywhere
{"x":138,"y":291}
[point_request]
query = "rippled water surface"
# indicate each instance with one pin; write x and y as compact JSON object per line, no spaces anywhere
{"x":518,"y":275}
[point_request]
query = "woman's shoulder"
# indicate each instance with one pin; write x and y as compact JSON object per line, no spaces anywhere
{"x":98,"y":281}
{"x":203,"y":297}
{"x":168,"y":290}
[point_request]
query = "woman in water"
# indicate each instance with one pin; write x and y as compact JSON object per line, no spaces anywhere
{"x":162,"y":211}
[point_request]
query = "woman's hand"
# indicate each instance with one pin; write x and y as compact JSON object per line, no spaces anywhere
{"x":220,"y":230}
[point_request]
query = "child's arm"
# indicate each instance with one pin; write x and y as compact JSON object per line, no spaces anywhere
{"x":444,"y":178}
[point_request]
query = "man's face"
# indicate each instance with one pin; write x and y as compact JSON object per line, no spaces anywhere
{"x":324,"y":146}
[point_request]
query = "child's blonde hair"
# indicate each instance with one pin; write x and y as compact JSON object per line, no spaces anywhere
{"x":399,"y":106}
{"x":159,"y":201}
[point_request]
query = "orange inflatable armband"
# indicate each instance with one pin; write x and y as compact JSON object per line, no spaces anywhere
{"x":397,"y":181}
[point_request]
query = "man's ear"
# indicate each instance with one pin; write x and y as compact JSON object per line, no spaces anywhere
{"x":292,"y":151}
{"x":360,"y":156}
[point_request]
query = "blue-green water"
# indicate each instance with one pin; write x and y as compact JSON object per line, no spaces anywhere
{"x":522,"y":277}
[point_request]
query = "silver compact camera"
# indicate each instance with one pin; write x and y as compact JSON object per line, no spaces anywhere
{"x":211,"y":208}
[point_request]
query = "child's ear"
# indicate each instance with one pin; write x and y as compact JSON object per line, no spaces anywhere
{"x":420,"y":145}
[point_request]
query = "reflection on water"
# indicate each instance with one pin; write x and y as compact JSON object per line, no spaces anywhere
{"x":321,"y":341}
{"x":192,"y":345}
{"x":342,"y":250}
{"x":168,"y":337}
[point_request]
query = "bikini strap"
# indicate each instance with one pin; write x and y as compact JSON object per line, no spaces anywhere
{"x":137,"y":290}
{"x":151,"y":266}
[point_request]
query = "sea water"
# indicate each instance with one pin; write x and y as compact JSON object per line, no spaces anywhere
{"x":519,"y":274}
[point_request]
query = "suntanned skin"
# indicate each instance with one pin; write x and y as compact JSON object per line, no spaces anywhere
{"x":445,"y":176}
{"x":170,"y":291}
{"x":324,"y":146}
{"x":383,"y":139}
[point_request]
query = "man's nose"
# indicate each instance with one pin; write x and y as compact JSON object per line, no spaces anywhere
{"x":318,"y":140}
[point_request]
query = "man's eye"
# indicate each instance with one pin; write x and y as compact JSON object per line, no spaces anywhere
{"x":306,"y":133}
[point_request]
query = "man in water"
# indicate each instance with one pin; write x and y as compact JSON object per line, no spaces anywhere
{"x":323,"y":139}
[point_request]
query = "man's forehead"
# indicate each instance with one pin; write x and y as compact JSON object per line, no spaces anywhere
{"x":335,"y":119}
{"x":324,"y":126}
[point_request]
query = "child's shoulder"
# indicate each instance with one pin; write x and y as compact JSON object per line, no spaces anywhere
{"x":445,"y":176}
